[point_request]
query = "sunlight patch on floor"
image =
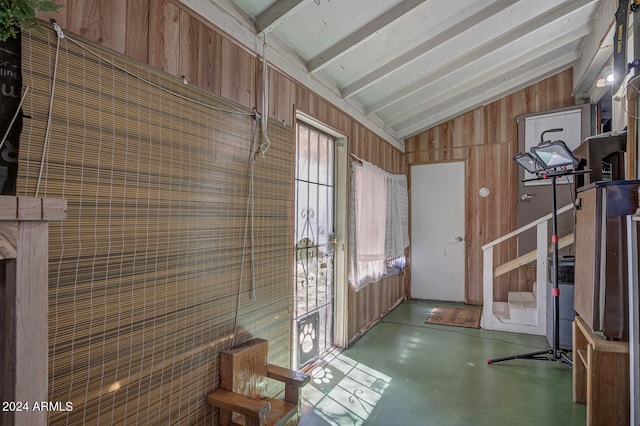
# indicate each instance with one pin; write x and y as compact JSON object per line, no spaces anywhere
{"x":345,"y":392}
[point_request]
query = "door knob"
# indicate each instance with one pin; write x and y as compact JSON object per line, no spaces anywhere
{"x":458,"y":239}
{"x":525,"y":197}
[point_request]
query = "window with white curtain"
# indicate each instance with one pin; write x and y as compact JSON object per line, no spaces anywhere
{"x":378,"y":223}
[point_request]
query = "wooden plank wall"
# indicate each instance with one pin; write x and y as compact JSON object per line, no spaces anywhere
{"x":486,"y":138}
{"x":165,"y":36}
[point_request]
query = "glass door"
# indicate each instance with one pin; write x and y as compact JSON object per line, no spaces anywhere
{"x":314,"y":244}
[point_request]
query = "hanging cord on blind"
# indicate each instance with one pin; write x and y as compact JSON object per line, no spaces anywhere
{"x":248,"y":223}
{"x":249,"y":217}
{"x":45,"y":146}
{"x":15,"y":115}
{"x":250,"y":211}
{"x":262,"y":149}
{"x":265,"y":143}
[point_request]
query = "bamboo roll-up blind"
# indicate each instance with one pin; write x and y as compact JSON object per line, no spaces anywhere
{"x":145,"y":272}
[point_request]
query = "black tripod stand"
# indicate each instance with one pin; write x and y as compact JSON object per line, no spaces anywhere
{"x":554,"y":354}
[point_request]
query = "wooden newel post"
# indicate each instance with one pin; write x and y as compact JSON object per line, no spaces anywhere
{"x":24,"y":307}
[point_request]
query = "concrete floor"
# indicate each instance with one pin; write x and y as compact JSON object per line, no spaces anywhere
{"x":406,"y":372}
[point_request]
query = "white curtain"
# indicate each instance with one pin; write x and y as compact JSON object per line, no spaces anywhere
{"x":397,"y":236}
{"x":378,"y":222}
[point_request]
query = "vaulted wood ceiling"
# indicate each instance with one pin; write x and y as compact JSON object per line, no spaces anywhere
{"x":407,"y":65}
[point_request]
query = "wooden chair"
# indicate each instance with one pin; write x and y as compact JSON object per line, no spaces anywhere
{"x":242,"y":396}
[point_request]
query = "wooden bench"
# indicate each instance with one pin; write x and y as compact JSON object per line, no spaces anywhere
{"x":242,"y":396}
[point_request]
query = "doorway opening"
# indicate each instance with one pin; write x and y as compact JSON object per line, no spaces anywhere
{"x":534,"y":197}
{"x":319,"y":293}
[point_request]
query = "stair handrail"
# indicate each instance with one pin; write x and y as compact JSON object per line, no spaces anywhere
{"x":526,"y":227}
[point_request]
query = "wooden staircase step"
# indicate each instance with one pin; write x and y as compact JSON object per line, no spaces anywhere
{"x":525,"y":299}
{"x":523,"y":308}
{"x":501,"y":310}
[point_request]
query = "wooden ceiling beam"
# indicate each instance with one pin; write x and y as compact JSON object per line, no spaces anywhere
{"x":440,"y":91}
{"x":355,"y":39}
{"x":275,"y":14}
{"x":597,"y":50}
{"x":409,"y":56}
{"x":486,"y":48}
{"x":517,"y":79}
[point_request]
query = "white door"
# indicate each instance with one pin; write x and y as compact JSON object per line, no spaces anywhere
{"x":437,"y":231}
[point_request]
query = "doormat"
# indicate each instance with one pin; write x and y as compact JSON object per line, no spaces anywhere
{"x":456,"y":316}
